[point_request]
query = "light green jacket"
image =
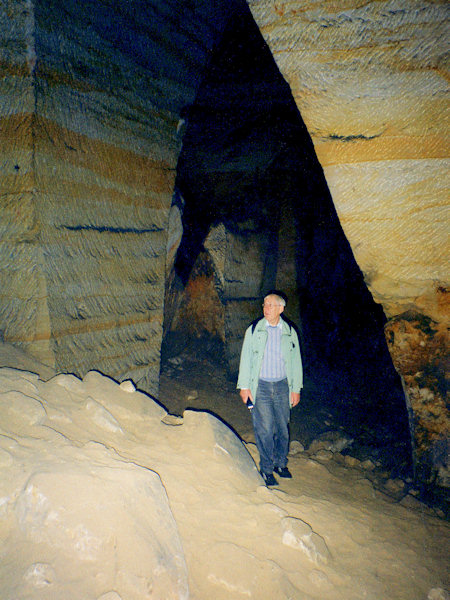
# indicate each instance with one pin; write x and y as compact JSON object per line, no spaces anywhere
{"x":253,"y":351}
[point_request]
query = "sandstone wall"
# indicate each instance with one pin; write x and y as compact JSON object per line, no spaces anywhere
{"x":239,"y":258}
{"x":23,"y":306}
{"x":222,"y":295}
{"x":371,"y":82}
{"x":90,"y":104}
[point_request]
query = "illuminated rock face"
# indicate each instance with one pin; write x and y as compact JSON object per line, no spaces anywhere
{"x":89,"y":146}
{"x":371,"y":83}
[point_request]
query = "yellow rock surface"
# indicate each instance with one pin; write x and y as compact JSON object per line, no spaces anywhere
{"x":371,"y":83}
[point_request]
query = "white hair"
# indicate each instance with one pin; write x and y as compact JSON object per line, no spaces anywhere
{"x":280,"y":301}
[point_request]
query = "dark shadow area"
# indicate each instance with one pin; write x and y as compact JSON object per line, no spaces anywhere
{"x":247,"y":156}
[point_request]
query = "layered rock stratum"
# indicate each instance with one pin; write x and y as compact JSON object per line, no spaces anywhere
{"x":371,"y":82}
{"x":89,"y":148}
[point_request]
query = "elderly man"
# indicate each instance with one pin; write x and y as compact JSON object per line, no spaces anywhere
{"x":270,"y":378}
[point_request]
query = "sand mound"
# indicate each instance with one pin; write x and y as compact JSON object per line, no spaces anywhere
{"x":105,"y":496}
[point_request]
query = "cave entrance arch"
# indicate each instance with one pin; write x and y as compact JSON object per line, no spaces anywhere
{"x":257,"y":214}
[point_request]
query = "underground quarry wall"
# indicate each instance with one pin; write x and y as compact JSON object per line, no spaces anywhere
{"x":93,"y":99}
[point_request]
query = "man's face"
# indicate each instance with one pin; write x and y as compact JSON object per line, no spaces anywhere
{"x":272,"y":309}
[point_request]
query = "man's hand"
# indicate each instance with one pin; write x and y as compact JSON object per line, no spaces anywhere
{"x":245,"y":394}
{"x":295,"y":398}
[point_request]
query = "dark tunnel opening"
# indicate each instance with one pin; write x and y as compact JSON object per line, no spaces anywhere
{"x":247,"y":157}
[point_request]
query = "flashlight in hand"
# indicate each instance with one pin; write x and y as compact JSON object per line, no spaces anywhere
{"x":249,"y":404}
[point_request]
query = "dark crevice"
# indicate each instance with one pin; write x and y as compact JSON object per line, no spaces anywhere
{"x":352,"y":138}
{"x":246,"y":158}
{"x":103,"y":229}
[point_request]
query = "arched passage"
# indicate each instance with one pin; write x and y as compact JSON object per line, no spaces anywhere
{"x":248,"y":165}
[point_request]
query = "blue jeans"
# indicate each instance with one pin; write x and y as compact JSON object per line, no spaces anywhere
{"x":270,"y":418}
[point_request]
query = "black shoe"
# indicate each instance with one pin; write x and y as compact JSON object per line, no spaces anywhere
{"x":269,"y":479}
{"x":283,"y":472}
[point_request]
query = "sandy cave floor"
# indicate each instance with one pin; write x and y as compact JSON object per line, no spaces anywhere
{"x":327,"y":534}
{"x":356,"y":503}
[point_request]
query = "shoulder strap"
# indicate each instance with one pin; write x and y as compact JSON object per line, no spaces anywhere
{"x":287,"y":323}
{"x":254,"y":324}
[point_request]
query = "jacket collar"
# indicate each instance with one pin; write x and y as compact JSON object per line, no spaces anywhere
{"x":279,"y":324}
{"x":261,"y":325}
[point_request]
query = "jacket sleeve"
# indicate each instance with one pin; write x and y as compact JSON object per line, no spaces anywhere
{"x":297,"y":367}
{"x":244,"y":377}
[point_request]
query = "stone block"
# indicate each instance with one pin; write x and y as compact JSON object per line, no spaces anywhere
{"x":222,"y":444}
